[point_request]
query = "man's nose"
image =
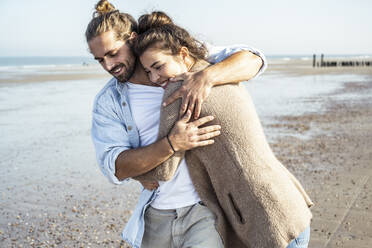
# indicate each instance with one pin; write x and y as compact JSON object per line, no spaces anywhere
{"x":154,"y":77}
{"x":108,"y":64}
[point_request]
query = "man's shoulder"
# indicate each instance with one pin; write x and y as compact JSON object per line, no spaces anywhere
{"x":108,"y":89}
{"x":108,"y":94}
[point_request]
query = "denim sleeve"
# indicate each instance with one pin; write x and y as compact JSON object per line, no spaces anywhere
{"x":110,"y":138}
{"x":219,"y":53}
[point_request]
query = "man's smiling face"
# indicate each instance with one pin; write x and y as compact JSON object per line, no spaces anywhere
{"x":115,"y":56}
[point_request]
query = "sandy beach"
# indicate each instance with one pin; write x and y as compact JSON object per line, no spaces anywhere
{"x":52,"y":194}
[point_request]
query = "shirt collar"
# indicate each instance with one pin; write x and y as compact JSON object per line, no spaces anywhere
{"x":120,"y":87}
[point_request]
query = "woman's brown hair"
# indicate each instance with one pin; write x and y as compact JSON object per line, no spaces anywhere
{"x":158,"y":30}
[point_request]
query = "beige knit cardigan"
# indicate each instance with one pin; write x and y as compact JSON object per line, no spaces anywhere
{"x":257,"y":201}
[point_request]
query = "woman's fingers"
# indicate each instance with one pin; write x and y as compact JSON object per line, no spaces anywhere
{"x":184,"y":104}
{"x":191,"y":105}
{"x":197,"y":110}
{"x":186,"y":117}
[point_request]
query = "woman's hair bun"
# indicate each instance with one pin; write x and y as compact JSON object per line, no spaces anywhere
{"x":103,"y":7}
{"x":153,"y":20}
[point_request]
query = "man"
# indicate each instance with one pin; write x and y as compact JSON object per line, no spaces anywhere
{"x":126,"y":117}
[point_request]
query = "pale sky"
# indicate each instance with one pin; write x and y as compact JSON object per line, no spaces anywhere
{"x":285,"y":27}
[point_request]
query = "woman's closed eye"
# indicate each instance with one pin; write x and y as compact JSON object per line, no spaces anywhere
{"x":158,"y":67}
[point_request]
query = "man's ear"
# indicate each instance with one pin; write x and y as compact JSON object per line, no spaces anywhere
{"x":184,"y":52}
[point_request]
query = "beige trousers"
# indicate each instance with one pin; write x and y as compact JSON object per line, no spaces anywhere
{"x":187,"y":227}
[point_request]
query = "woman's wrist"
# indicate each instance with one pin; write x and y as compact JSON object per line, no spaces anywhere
{"x":209,"y":77}
{"x":205,"y":77}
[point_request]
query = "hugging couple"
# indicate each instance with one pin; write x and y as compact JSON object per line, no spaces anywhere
{"x":175,"y":117}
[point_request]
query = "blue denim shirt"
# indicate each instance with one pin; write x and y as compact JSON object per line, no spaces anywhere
{"x":114,"y":131}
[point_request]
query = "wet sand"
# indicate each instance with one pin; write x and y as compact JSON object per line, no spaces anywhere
{"x":53,"y":194}
{"x":335,"y":166}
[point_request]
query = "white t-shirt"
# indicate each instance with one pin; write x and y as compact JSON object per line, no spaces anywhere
{"x":145,"y":104}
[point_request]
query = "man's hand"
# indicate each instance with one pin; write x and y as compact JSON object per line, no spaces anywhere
{"x":149,"y":185}
{"x":195,"y":89}
{"x":186,"y":135}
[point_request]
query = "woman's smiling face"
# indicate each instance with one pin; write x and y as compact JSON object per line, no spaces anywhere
{"x":160,"y":65}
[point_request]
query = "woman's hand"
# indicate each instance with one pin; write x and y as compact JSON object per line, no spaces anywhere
{"x":186,"y":135}
{"x":240,"y":66}
{"x":195,"y":89}
{"x":149,"y":185}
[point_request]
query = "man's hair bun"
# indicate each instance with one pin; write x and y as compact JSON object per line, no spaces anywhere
{"x":153,"y":20}
{"x":103,"y":7}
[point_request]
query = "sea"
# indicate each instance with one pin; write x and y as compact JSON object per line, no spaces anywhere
{"x":16,"y":66}
{"x":6,"y":62}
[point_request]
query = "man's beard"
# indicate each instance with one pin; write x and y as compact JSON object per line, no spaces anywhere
{"x":128,"y":71}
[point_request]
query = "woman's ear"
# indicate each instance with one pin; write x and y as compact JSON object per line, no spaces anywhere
{"x":133,"y":36}
{"x":184,"y":53}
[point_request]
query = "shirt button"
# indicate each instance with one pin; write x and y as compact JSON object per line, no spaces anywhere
{"x":129,"y":128}
{"x":124,"y":104}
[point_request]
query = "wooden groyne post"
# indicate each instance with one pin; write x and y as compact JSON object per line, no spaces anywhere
{"x":314,"y":60}
{"x":335,"y":63}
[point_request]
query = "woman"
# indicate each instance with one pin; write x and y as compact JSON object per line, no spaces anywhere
{"x":257,"y":201}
